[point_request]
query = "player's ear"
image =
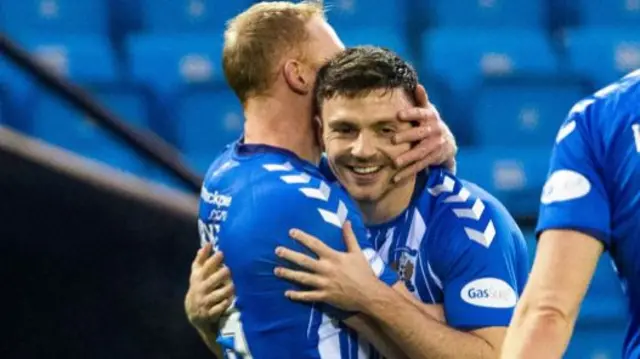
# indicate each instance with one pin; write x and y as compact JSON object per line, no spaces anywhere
{"x":294,"y":74}
{"x":421,"y":96}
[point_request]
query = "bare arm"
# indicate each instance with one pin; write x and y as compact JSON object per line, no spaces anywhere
{"x":209,"y":336}
{"x":545,"y":317}
{"x":369,"y":330}
{"x":345,"y":280}
{"x":210,"y":294}
{"x":373,"y":332}
{"x":422,"y":336}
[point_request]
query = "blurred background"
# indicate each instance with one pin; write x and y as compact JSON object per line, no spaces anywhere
{"x":94,"y":260}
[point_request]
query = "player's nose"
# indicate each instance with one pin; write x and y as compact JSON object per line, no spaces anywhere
{"x":363,"y":147}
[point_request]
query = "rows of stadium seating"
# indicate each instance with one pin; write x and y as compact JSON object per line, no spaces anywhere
{"x":504,"y":73}
{"x":488,"y":64}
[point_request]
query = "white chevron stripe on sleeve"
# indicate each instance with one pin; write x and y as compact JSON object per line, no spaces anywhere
{"x":474,"y":212}
{"x":296,"y":179}
{"x":483,"y":238}
{"x":461,"y":197}
{"x":377,"y":265}
{"x":445,"y":187}
{"x":336,"y":218}
{"x":416,"y":230}
{"x":278,"y":167}
{"x":375,"y":261}
{"x":322,"y":193}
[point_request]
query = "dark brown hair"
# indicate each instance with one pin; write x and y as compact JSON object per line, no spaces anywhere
{"x":360,"y":70}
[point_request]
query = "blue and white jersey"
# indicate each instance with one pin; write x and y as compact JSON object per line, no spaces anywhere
{"x":594,"y":183}
{"x":251,"y":198}
{"x":457,"y":246}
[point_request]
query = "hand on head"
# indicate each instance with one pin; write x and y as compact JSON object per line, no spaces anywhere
{"x":434,"y":142}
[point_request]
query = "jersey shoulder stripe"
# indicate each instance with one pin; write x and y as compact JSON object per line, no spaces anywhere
{"x":470,"y":211}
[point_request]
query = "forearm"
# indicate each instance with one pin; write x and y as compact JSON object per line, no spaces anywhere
{"x":368,"y":328}
{"x":537,"y":334}
{"x":209,"y":336}
{"x":420,"y":335}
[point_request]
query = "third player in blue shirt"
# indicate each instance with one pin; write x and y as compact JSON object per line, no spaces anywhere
{"x":590,"y":203}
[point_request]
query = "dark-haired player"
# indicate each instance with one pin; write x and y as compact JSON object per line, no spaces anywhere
{"x":456,"y":248}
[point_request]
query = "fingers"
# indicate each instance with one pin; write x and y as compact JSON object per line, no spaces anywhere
{"x":350,"y":238}
{"x":428,"y":146}
{"x":215,"y":297}
{"x":202,"y":255}
{"x":212,"y":264}
{"x":411,"y":170}
{"x":430,"y":125}
{"x":300,"y":259}
{"x":216,"y":279}
{"x":217,"y":310}
{"x":417,"y":134}
{"x":303,"y":296}
{"x":311,"y":242}
{"x":303,"y":278}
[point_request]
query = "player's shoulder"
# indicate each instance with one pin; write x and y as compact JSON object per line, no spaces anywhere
{"x":462,"y":207}
{"x":277,"y":185}
{"x":607,"y":106}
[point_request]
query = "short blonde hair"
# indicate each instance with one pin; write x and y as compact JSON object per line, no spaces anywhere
{"x":256,"y":40}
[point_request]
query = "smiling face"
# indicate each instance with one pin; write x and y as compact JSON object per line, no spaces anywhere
{"x":358,"y":95}
{"x":357,"y":135}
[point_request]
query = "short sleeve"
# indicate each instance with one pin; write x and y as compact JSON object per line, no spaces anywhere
{"x":574,"y":195}
{"x":481,"y":265}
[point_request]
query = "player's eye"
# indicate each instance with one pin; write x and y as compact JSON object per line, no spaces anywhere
{"x":344,"y":130}
{"x":388,"y":131}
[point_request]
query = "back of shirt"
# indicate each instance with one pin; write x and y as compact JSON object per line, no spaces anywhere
{"x":252,"y":196}
{"x":594,"y":183}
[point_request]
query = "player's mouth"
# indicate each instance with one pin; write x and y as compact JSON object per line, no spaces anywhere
{"x":365,"y":174}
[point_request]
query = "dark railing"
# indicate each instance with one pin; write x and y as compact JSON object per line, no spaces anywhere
{"x":144,"y":142}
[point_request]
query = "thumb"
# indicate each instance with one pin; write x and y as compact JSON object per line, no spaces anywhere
{"x":350,"y":238}
{"x":422,"y":99}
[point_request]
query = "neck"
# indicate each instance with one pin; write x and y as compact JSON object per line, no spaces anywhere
{"x":268,"y":122}
{"x":390,"y":206}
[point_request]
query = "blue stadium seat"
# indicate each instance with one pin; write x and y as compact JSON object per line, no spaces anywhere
{"x":53,"y":16}
{"x":346,"y":14}
{"x":167,"y":62}
{"x":603,"y":54}
{"x":81,"y":58}
{"x":528,"y":111}
{"x":207,"y":120}
{"x":125,"y":16}
{"x":463,"y":58}
{"x":393,"y":39}
{"x":56,"y":122}
{"x":487,"y":13}
{"x":190,"y":15}
{"x":610,"y":13}
{"x":515,"y":176}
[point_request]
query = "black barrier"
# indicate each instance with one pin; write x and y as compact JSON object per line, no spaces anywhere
{"x":145,"y":142}
{"x":93,"y":263}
